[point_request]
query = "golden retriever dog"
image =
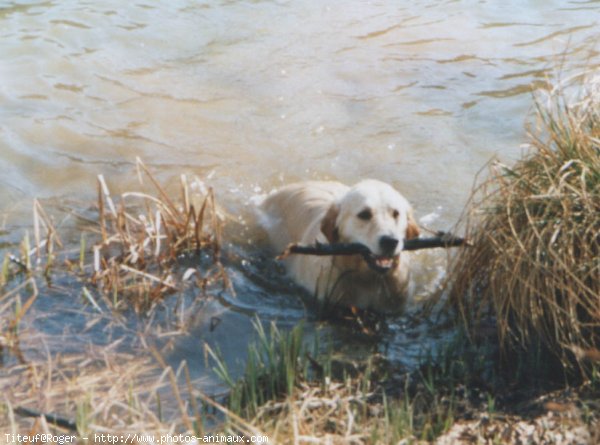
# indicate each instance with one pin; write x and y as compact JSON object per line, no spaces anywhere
{"x":372,"y":213}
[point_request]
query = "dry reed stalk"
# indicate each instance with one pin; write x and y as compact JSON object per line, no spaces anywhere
{"x":44,"y":248}
{"x":12,"y":310}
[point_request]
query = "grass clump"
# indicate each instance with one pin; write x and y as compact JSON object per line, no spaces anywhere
{"x":300,"y":394}
{"x":131,"y":246}
{"x":535,"y":227}
{"x":275,"y":364}
{"x":144,"y":235}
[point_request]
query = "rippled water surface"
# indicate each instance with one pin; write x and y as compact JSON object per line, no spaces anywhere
{"x":253,"y":94}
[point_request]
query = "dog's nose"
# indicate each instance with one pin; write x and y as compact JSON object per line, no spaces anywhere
{"x":388,"y":244}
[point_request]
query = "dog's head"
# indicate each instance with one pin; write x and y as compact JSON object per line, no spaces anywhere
{"x":374,"y":214}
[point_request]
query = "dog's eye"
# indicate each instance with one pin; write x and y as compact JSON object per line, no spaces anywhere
{"x":395,"y":214}
{"x":365,"y":215}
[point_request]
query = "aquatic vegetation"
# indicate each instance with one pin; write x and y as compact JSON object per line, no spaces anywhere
{"x":128,"y":260}
{"x":296,"y":392}
{"x":142,"y":236}
{"x":535,"y":227}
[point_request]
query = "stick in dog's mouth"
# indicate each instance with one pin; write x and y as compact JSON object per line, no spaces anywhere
{"x":378,"y":263}
{"x":441,"y":240}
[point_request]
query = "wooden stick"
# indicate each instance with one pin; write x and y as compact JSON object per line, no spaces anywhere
{"x":51,"y":418}
{"x":441,"y":240}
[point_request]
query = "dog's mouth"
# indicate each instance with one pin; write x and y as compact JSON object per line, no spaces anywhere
{"x":382,"y":263}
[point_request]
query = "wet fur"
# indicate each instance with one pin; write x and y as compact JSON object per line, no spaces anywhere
{"x":327,"y":212}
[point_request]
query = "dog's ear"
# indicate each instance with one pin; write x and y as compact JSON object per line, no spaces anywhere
{"x":412,"y":229}
{"x":328,"y":224}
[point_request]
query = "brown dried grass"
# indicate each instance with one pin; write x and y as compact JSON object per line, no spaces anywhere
{"x":535,"y":228}
{"x":142,"y":236}
{"x":102,"y":391}
{"x":138,"y":240}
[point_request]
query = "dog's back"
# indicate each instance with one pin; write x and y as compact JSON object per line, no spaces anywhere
{"x":292,"y":211}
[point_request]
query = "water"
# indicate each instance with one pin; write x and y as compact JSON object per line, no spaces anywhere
{"x":253,"y":94}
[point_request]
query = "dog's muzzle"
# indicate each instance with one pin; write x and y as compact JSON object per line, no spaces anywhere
{"x":382,"y":263}
{"x":388,"y":259}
